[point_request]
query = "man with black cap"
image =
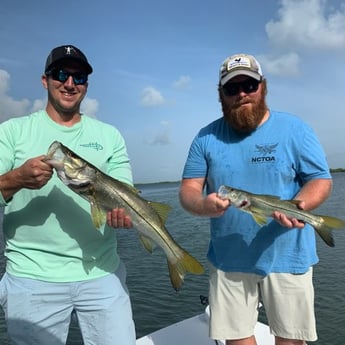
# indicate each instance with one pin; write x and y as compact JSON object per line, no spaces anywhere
{"x":261,"y":151}
{"x":57,"y":262}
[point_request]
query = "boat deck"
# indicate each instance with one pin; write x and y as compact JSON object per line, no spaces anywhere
{"x":195,"y":331}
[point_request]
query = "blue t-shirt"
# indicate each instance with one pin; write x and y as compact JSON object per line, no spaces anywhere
{"x":278,"y":158}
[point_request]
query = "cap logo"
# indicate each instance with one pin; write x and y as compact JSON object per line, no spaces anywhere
{"x":69,"y":50}
{"x":238,"y":62}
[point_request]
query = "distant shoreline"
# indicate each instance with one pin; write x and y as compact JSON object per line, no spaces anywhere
{"x":161,"y":183}
{"x":332,"y":170}
{"x":335,"y":170}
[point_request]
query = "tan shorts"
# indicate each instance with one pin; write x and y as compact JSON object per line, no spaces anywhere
{"x":288,"y":300}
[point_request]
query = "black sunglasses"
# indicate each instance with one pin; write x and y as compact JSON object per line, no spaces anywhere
{"x":79,"y":78}
{"x":247,"y":86}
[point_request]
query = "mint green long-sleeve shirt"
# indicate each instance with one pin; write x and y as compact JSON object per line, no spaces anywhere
{"x":48,"y":232}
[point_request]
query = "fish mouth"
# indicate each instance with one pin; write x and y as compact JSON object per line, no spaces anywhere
{"x":68,"y":166}
{"x":244,"y":204}
{"x":72,"y":181}
{"x":55,"y":156}
{"x":58,"y":165}
{"x":54,"y":146}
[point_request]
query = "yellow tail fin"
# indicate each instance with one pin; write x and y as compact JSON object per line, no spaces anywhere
{"x":325,"y":230}
{"x":177,"y":270}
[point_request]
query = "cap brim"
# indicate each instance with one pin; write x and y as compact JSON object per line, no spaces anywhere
{"x":233,"y":74}
{"x":88,"y":67}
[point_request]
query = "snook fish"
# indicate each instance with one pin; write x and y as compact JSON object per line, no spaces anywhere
{"x":105,"y":193}
{"x":262,"y":206}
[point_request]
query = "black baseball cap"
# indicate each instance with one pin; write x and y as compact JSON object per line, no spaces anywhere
{"x":67,"y":52}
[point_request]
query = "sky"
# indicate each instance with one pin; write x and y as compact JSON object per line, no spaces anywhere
{"x":156,"y":66}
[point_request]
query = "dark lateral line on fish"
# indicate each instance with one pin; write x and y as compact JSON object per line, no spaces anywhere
{"x":286,"y":211}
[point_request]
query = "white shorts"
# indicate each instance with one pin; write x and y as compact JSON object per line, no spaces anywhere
{"x":288,"y":300}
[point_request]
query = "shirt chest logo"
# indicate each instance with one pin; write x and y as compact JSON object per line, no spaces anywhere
{"x":96,"y":146}
{"x":264,"y":153}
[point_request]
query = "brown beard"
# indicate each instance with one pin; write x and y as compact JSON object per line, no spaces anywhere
{"x":241,"y":119}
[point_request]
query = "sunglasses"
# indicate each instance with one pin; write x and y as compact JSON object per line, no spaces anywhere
{"x":247,"y":86}
{"x":79,"y":78}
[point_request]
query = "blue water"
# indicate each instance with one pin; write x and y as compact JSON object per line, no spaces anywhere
{"x":156,"y":304}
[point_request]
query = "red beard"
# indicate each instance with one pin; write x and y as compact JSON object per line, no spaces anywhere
{"x":243,"y":119}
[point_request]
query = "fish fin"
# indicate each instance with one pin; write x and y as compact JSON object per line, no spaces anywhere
{"x":98,"y":216}
{"x":133,"y":189}
{"x":295,"y":202}
{"x":161,"y":209}
{"x":261,"y":220}
{"x":326,"y":234}
{"x":333,"y":222}
{"x":257,"y":215}
{"x":274,"y":197}
{"x":147,"y":243}
{"x":325,"y":229}
{"x":178,"y":269}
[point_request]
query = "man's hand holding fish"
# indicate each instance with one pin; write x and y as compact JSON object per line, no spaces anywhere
{"x":288,"y":222}
{"x":210,"y":205}
{"x":117,"y":218}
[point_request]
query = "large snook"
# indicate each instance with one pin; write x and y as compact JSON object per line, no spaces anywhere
{"x":106,"y":193}
{"x":262,"y":206}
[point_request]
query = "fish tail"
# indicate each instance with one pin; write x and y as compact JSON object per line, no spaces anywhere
{"x":333,"y":223}
{"x":325,"y":233}
{"x":325,"y":229}
{"x":178,"y":269}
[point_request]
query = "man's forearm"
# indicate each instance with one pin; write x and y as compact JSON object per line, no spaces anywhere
{"x":191,"y":200}
{"x":9,"y":184}
{"x":314,"y":193}
{"x":194,"y":201}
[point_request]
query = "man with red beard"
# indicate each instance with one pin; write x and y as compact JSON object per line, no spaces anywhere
{"x":262,"y":151}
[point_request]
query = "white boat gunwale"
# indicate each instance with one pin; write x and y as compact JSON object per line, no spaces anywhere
{"x":194,"y":330}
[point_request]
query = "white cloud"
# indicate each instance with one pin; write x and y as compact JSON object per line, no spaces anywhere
{"x":151,"y":97}
{"x":162,"y":136}
{"x":284,"y":65}
{"x":308,"y":24}
{"x":89,"y":106}
{"x":8,"y":106}
{"x":182,"y":83}
{"x":38,"y":104}
{"x":4,"y":81}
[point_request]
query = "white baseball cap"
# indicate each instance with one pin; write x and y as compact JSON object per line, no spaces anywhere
{"x":240,"y":64}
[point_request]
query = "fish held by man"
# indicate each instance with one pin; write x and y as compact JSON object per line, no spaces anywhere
{"x":105,"y":193}
{"x":261,"y":207}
